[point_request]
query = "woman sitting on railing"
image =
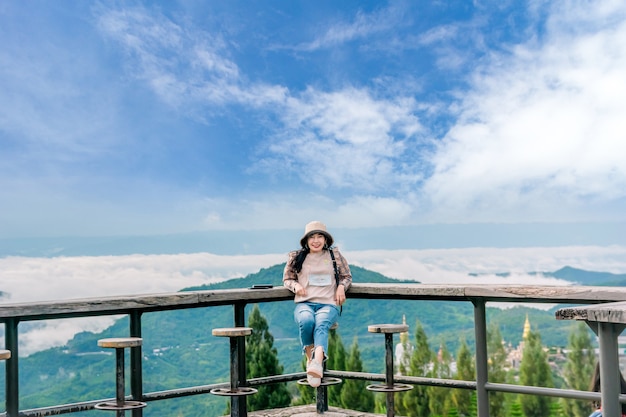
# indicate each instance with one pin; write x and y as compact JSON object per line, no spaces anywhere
{"x":319,"y":276}
{"x":595,"y":387}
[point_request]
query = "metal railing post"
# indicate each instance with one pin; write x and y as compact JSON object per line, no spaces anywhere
{"x":238,"y":404}
{"x":609,"y":363}
{"x":12,"y":401}
{"x":136,"y":365}
{"x":480,"y":332}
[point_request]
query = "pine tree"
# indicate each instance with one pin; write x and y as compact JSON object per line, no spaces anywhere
{"x":404,"y":362}
{"x":578,"y":369}
{"x":414,"y":403}
{"x":535,"y":371}
{"x":464,"y":371}
{"x":354,"y":395}
{"x":473,"y":411}
{"x":496,"y":370}
{"x":556,"y":410}
{"x":380,"y":403}
{"x":453,"y":412}
{"x":516,"y":409}
{"x":262,"y":360}
{"x":438,"y":397}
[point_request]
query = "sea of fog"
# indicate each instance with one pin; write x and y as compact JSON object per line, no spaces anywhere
{"x":28,"y":279}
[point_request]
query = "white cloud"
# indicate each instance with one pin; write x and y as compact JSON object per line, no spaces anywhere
{"x":541,"y":130}
{"x":49,"y":333}
{"x":62,"y":278}
{"x":447,"y":266}
{"x":346,"y":138}
{"x":39,"y":279}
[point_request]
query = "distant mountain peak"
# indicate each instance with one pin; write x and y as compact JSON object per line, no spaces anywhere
{"x":581,"y":276}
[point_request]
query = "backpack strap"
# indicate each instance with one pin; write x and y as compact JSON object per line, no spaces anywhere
{"x":332,"y":256}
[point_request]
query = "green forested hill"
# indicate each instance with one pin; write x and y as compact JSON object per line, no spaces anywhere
{"x":180,"y":351}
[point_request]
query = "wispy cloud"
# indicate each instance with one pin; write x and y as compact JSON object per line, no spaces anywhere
{"x":185,"y":66}
{"x":361,"y":26}
{"x":354,"y":138}
{"x":175,"y":63}
{"x":349,"y":138}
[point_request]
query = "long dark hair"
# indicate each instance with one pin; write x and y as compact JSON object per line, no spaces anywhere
{"x":298,"y":260}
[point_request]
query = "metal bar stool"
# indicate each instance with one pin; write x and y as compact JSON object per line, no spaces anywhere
{"x":389,"y":387}
{"x":120,"y":405}
{"x":237,"y":390}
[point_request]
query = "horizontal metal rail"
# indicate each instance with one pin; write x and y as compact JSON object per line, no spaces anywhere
{"x":135,"y":306}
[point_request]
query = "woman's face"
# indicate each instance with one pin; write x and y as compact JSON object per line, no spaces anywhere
{"x":316,"y":242}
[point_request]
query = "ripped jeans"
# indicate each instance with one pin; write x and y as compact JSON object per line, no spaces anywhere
{"x":314,"y":322}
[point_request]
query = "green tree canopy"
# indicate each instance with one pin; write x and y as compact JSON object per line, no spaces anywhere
{"x":438,"y":398}
{"x":465,"y":371}
{"x":262,"y":360}
{"x":337,"y":361}
{"x":496,"y":370}
{"x":578,"y":369}
{"x":535,"y":371}
{"x":414,"y":403}
{"x":354,"y":395}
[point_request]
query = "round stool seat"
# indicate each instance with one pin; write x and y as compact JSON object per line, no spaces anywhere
{"x":327,"y":380}
{"x":233,"y":392}
{"x":317,"y":414}
{"x":388,"y":328}
{"x":232,"y":331}
{"x":4,"y":354}
{"x":120,"y":342}
{"x":397,"y":387}
{"x":114,"y":406}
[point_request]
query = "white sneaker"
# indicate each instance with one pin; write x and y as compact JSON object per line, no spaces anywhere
{"x":314,"y":374}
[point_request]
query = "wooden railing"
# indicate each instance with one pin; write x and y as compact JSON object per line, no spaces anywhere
{"x":134,"y":306}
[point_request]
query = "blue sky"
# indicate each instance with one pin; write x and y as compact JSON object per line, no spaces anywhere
{"x":139,"y":118}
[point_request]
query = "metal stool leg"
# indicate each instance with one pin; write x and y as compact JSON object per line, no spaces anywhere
{"x":119,"y":381}
{"x":121,"y":404}
{"x":390,"y":387}
{"x":236,"y":392}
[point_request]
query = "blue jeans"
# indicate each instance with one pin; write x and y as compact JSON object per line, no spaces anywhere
{"x":314,"y":321}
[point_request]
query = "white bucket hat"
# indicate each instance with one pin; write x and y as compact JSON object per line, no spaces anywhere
{"x":316,"y":227}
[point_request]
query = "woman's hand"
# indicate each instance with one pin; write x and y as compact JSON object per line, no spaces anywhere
{"x":300,"y":290}
{"x":340,"y":295}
